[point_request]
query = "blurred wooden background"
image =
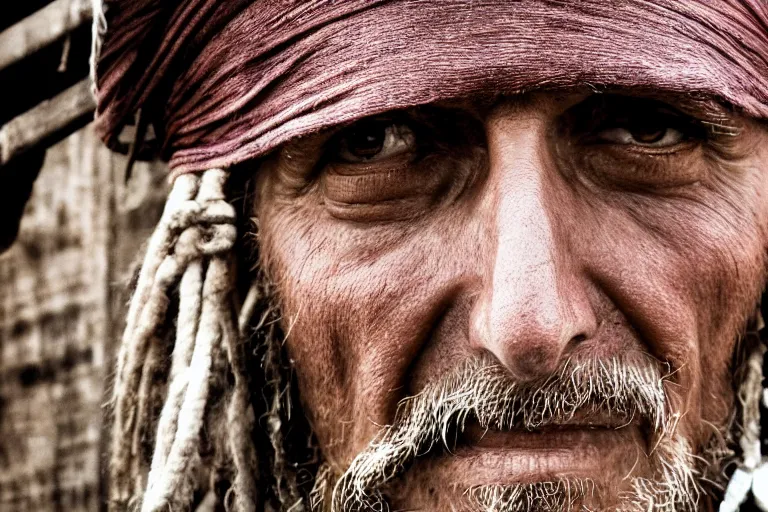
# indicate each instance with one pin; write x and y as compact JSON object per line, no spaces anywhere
{"x":61,"y":296}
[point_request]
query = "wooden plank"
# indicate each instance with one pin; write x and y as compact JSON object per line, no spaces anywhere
{"x":47,"y":123}
{"x":42,"y":28}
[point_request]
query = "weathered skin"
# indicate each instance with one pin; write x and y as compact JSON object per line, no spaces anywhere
{"x":515,"y":234}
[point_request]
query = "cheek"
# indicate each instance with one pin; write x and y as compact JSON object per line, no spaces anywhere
{"x":357,"y":306}
{"x":696,"y":269}
{"x":725,"y":255}
{"x":294,"y":256}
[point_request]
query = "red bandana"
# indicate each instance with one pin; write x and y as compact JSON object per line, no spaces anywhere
{"x":229,"y":80}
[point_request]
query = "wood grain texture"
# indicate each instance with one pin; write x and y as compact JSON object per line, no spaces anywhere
{"x":48,"y":122}
{"x":42,"y":28}
{"x":61,"y":307}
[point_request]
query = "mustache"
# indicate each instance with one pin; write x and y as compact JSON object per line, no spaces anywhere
{"x":628,"y":388}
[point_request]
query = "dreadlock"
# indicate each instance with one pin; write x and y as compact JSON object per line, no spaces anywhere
{"x":206,"y":394}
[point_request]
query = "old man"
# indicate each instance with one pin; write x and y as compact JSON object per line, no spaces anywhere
{"x":478,"y":255}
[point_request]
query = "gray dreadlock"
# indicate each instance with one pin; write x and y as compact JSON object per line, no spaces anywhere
{"x":189,"y":268}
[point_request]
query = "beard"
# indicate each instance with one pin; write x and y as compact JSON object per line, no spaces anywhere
{"x":627,"y":389}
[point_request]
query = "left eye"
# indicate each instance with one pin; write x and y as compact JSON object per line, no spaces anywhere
{"x":370,"y":141}
{"x":646,"y":136}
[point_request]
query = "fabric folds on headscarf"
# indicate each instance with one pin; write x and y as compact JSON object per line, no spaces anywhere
{"x":225,"y":81}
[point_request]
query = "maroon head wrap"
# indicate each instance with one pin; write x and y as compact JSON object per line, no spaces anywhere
{"x":223,"y":81}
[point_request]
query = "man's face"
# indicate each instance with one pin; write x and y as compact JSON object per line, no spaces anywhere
{"x":536,"y":236}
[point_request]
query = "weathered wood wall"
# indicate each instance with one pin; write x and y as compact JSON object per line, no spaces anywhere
{"x":61,"y":303}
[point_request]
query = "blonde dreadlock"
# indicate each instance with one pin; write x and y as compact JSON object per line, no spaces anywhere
{"x":190,"y":249}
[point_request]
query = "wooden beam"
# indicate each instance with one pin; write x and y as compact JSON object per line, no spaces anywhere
{"x":47,"y":123}
{"x":44,"y":27}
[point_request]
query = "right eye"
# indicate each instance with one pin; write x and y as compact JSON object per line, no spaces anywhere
{"x":374,"y":140}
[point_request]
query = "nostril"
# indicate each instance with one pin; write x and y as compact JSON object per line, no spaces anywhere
{"x":578,"y":339}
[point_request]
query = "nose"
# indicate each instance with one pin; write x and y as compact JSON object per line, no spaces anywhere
{"x":534,"y":308}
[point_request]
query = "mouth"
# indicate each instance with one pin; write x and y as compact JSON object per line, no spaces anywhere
{"x":579,"y":427}
{"x":598,"y":455}
{"x":588,"y":448}
{"x":545,"y":438}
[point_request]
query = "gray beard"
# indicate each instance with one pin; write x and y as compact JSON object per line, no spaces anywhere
{"x":482,"y":391}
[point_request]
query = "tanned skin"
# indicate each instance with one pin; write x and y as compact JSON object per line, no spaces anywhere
{"x":532,"y":228}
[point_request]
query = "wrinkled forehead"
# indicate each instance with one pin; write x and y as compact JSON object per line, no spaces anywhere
{"x":229,"y":81}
